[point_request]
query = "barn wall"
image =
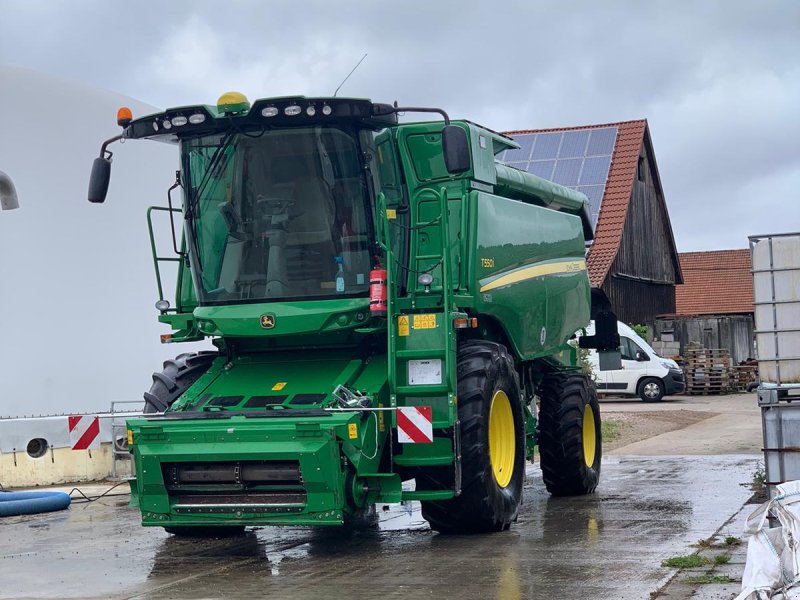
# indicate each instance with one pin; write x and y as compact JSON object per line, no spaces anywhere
{"x":639,"y":301}
{"x":641,"y":281}
{"x":732,"y":332}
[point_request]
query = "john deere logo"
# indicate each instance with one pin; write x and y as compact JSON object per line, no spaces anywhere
{"x":267,"y":321}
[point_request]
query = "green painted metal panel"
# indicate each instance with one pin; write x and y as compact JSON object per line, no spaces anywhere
{"x":523,"y":253}
{"x":287,"y":318}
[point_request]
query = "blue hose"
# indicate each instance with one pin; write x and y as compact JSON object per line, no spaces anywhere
{"x":30,"y":503}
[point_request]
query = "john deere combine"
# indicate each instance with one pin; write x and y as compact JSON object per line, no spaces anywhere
{"x":387,"y":303}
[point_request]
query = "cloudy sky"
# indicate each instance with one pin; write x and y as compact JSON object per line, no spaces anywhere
{"x":719,"y":83}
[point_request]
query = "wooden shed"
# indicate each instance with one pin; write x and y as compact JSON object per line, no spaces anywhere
{"x":714,"y":306}
{"x":633,"y":257}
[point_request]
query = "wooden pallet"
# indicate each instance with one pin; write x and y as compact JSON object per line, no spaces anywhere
{"x":708,"y":371}
{"x":743,"y":375}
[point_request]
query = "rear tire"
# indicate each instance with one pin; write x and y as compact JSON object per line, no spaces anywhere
{"x":178,"y":376}
{"x":492,"y":431}
{"x":570,"y":438}
{"x":651,"y":389}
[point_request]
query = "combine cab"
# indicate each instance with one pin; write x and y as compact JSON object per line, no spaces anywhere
{"x":387,"y":303}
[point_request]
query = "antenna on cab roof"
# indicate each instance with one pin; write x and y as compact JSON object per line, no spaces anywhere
{"x":348,"y":75}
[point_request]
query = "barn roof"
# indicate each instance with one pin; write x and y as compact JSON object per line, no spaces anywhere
{"x":716,"y":282}
{"x":616,"y":197}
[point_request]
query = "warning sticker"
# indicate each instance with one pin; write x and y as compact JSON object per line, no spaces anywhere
{"x":424,"y":321}
{"x":402,"y":325}
{"x":279,"y":386}
{"x":352,"y":431}
{"x":391,"y":213}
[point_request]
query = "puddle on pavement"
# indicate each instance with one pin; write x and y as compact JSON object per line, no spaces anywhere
{"x":645,"y":510}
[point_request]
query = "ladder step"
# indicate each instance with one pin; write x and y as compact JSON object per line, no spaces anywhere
{"x":424,"y":461}
{"x":428,"y":495}
{"x":423,"y":390}
{"x":435,"y":353}
{"x":420,"y":257}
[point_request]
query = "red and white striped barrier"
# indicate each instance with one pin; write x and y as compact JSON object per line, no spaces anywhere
{"x":84,"y":432}
{"x":414,"y":424}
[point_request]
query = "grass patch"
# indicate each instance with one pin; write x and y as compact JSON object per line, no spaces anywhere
{"x":722,"y":559}
{"x":759,"y":479}
{"x":732,"y":541}
{"x":611,"y":430}
{"x":704,"y":579}
{"x":704,"y":543}
{"x":689,"y":561}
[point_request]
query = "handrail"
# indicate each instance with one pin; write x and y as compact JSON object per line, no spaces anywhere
{"x":157,"y":259}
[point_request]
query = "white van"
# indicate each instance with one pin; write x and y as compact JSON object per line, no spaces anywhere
{"x":644,"y":373}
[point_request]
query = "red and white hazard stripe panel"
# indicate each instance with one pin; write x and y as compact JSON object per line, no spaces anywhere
{"x":415,"y":424}
{"x":84,"y":432}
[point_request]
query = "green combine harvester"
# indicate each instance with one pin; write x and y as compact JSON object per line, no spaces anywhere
{"x":387,"y":302}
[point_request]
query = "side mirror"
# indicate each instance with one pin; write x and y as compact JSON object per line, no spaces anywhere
{"x":455,"y":146}
{"x":98,"y":182}
{"x":641,"y":356}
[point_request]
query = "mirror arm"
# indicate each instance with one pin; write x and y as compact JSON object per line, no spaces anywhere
{"x":104,"y":148}
{"x":399,"y":109}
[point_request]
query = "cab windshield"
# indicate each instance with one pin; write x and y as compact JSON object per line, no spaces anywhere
{"x":277,"y":214}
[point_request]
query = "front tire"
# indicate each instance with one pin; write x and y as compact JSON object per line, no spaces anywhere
{"x":170,"y":384}
{"x":570,"y":437}
{"x":651,"y":389}
{"x":177,"y":376}
{"x":492,"y":431}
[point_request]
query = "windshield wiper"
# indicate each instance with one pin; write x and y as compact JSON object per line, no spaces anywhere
{"x":196,"y":192}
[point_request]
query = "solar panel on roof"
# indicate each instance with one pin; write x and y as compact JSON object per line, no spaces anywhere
{"x":595,"y":170}
{"x":567,"y":171}
{"x":601,"y":141}
{"x":573,"y":144}
{"x":541,"y":168}
{"x":524,"y":152}
{"x":546,"y":145}
{"x":595,"y":195}
{"x":579,"y":159}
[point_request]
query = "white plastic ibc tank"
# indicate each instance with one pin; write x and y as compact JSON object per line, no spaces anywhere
{"x":781,"y":423}
{"x":776,"y":292}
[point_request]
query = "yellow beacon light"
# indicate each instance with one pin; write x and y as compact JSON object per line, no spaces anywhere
{"x":231,"y":103}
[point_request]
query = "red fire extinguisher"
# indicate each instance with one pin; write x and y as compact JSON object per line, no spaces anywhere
{"x":377,"y":292}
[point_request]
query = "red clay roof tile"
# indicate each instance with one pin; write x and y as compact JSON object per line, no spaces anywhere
{"x":715,"y":282}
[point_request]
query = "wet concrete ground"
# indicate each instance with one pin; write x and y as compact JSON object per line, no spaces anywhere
{"x":606,"y":546}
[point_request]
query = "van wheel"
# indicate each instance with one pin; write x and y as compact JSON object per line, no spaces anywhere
{"x":651,"y":389}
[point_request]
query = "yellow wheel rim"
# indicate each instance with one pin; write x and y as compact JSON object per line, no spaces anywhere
{"x":502,"y":442}
{"x":589,"y":436}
